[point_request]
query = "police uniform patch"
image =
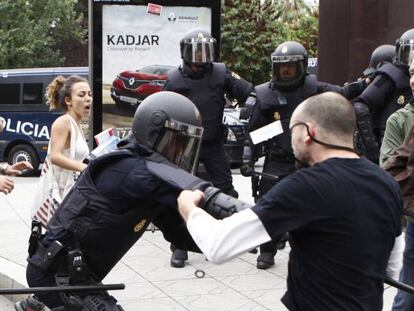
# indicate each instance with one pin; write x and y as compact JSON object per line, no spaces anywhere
{"x":401,"y":100}
{"x":235,"y":75}
{"x":140,"y":225}
{"x":276,"y":116}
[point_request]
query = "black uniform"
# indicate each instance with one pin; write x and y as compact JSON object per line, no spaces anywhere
{"x":206,"y":90}
{"x":105,"y":213}
{"x":388,"y":92}
{"x":272,"y":105}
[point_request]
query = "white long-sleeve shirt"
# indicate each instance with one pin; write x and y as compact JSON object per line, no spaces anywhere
{"x":221,"y":240}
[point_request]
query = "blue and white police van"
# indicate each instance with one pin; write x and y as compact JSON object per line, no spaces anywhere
{"x":25,"y":114}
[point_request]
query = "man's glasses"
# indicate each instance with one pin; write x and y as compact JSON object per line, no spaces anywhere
{"x":297,"y":124}
{"x":321,"y":142}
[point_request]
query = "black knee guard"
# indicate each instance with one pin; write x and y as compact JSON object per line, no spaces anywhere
{"x":94,"y":302}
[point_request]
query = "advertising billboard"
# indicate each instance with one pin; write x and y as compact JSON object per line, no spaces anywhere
{"x":133,"y":44}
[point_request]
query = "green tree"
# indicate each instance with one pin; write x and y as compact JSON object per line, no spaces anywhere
{"x":251,"y":30}
{"x":32,"y":31}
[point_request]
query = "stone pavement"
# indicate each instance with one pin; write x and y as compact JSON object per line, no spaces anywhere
{"x":151,"y":284}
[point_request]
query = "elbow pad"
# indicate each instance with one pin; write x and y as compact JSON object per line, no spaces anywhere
{"x":220,"y":205}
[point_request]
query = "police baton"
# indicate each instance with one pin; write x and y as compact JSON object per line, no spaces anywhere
{"x":60,"y":289}
{"x":400,"y":285}
{"x":248,"y":171}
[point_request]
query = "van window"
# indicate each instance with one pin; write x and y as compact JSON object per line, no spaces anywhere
{"x":32,"y":93}
{"x":10,"y":94}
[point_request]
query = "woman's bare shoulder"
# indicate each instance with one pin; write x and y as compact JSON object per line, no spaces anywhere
{"x":62,"y":123}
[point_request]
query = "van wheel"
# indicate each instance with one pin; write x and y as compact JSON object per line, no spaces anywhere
{"x":24,"y":153}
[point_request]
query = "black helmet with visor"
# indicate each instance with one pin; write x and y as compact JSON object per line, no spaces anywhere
{"x":292,"y":57}
{"x":382,"y":54}
{"x":198,"y":47}
{"x":170,"y":124}
{"x":405,"y":48}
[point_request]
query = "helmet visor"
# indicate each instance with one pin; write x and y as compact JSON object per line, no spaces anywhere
{"x":287,"y":70}
{"x":199,"y":51}
{"x":405,"y":53}
{"x":180,"y":144}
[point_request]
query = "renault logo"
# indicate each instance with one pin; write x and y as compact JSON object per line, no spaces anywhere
{"x":131,"y":81}
{"x":172,"y":17}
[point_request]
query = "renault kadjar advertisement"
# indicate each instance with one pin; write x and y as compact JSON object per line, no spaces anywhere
{"x":140,"y":43}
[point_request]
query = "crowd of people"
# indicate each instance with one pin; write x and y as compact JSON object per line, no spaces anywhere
{"x":344,"y":228}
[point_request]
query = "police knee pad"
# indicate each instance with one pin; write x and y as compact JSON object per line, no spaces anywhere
{"x":97,"y":302}
{"x":101,"y":302}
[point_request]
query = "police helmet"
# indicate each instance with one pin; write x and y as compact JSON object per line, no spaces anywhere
{"x":405,"y":47}
{"x":383,"y":54}
{"x":170,"y":124}
{"x":289,"y":64}
{"x":198,"y":47}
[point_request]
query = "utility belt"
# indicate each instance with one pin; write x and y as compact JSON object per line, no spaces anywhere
{"x":67,"y":263}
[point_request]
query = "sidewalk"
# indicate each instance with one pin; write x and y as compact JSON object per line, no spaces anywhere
{"x":151,"y":284}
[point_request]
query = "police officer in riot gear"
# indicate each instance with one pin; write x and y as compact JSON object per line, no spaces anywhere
{"x":275,"y":101}
{"x":382,"y":54}
{"x":205,"y":82}
{"x":115,"y":199}
{"x":388,"y":92}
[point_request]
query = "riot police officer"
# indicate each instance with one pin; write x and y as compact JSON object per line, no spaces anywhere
{"x":275,"y":101}
{"x":382,"y":54}
{"x":388,"y":92}
{"x":115,"y":199}
{"x":205,"y":82}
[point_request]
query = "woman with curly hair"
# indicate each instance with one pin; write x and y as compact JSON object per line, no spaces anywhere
{"x":68,"y":145}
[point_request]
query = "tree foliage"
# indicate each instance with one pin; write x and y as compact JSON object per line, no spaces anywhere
{"x":252,"y":29}
{"x":33,"y":32}
{"x":40,"y":33}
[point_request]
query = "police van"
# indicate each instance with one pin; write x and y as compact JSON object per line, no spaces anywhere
{"x":25,"y":114}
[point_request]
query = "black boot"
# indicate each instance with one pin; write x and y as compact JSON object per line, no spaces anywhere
{"x":31,"y":303}
{"x":265,"y":261}
{"x":281,"y":244}
{"x":266,"y":257}
{"x":178,"y":258}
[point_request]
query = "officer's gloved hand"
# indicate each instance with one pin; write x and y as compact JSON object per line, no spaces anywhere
{"x":247,"y":110}
{"x":355,"y":88}
{"x":246,"y":170}
{"x":247,"y":161}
